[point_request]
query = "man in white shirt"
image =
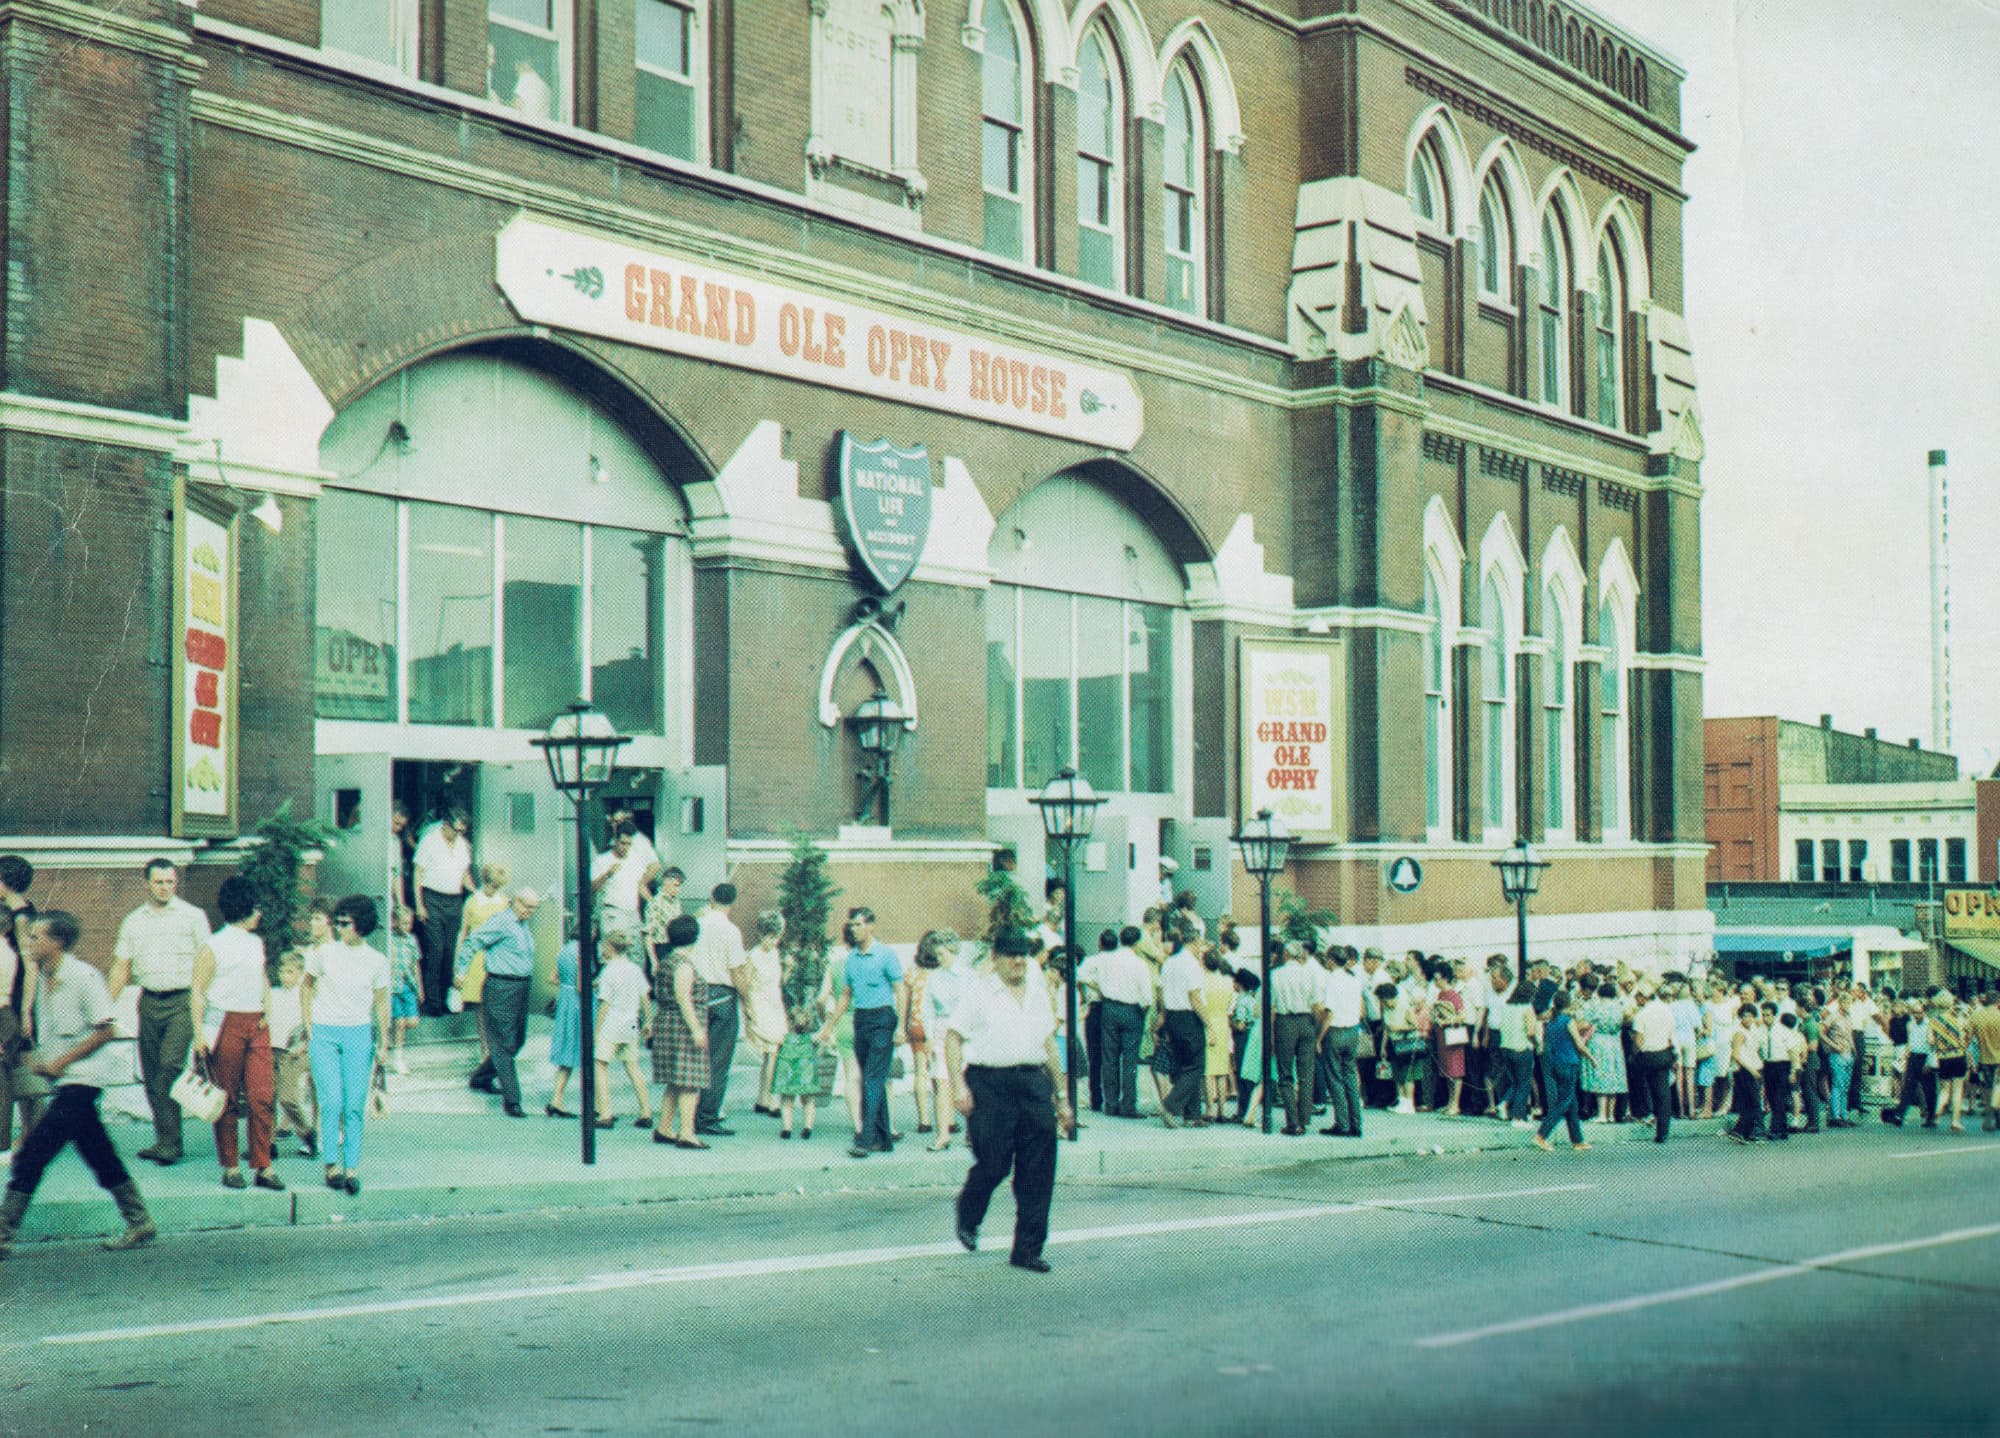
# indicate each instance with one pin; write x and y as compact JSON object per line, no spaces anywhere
{"x":72,"y":1024}
{"x":1121,"y":987}
{"x":1653,"y":1057}
{"x":1340,"y":1038}
{"x":156,"y":949}
{"x":1181,"y":979}
{"x":1001,"y":1048}
{"x":1298,"y":1017}
{"x":444,"y":874}
{"x":720,"y":960}
{"x":618,"y":878}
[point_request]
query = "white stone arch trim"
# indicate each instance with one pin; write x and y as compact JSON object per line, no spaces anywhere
{"x":1500,"y":551}
{"x":1504,"y":162}
{"x":1133,"y":43}
{"x":1046,"y":36}
{"x":879,"y":647}
{"x":1560,"y":190}
{"x":1461,"y":198}
{"x":1619,"y":583}
{"x":1442,"y":548}
{"x":1193,"y":39}
{"x":1562,"y":576}
{"x":1617,"y":219}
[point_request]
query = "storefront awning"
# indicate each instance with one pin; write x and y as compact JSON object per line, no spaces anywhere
{"x":1777,"y":946}
{"x":1986,"y":951}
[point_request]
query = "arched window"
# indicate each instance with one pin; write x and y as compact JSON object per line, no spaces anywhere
{"x":1554,"y":309}
{"x":1003,"y":132}
{"x":1555,"y":716}
{"x":1100,"y":170}
{"x":1082,"y":650}
{"x":1437,"y":721}
{"x":1610,"y":333}
{"x":1535,"y":22}
{"x":1496,"y":243}
{"x":1184,"y":209}
{"x":1611,"y":719}
{"x":1496,"y":693}
{"x":1641,"y":89}
{"x":1430,"y":200}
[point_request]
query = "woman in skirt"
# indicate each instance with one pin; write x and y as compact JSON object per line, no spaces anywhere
{"x":680,"y":1035}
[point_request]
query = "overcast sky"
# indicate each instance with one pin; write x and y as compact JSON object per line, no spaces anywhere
{"x":1838,"y":237}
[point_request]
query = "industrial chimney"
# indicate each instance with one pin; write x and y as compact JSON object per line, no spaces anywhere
{"x":1940,"y":514}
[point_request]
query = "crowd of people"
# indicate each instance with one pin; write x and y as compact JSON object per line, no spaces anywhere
{"x":298,"y":1048}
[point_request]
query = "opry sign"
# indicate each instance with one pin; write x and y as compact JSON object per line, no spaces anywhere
{"x":885,"y":497}
{"x":595,"y":285}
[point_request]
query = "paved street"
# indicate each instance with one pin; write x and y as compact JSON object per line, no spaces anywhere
{"x":1842,"y":1283}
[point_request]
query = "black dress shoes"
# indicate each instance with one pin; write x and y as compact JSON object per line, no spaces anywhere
{"x":969,"y":1237}
{"x":1036,"y":1264}
{"x":512,"y":1110}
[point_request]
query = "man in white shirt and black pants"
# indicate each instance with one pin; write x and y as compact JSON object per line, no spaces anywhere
{"x":721,"y":962}
{"x":1122,"y":988}
{"x":1001,"y":1047}
{"x":1653,"y":1058}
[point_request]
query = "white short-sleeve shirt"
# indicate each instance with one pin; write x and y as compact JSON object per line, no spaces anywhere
{"x":346,"y":978}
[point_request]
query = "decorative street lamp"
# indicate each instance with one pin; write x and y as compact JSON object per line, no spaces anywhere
{"x":582,"y":749}
{"x":1520,"y":876}
{"x":1265,"y":844}
{"x":1069,"y":808}
{"x":878,"y":726}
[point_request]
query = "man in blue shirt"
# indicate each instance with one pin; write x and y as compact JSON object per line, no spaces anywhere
{"x":503,"y":1013}
{"x":870,"y":981}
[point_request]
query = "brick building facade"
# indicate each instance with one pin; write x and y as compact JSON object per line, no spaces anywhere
{"x":1369,"y":318}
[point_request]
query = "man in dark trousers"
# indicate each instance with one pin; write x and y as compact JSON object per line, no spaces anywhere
{"x":1001,"y":1048}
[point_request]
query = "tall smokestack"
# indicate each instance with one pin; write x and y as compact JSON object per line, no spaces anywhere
{"x":1940,"y":606}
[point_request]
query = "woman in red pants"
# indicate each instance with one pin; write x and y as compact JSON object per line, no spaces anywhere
{"x":227,"y":997}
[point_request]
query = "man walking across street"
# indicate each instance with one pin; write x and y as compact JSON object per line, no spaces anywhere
{"x":73,"y":1018}
{"x":1123,"y":986}
{"x":1181,"y":980}
{"x":503,"y":1013}
{"x":1298,"y":1017}
{"x":1653,"y":1056}
{"x":1001,"y":1047}
{"x":156,"y":948}
{"x":719,"y":961}
{"x":870,"y":980}
{"x":444,"y":873}
{"x":1340,"y":1038}
{"x":1781,"y":1048}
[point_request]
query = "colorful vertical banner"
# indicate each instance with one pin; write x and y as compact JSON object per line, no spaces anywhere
{"x":205,"y":733}
{"x":1294,"y":734}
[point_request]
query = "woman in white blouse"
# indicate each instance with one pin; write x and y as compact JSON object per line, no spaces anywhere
{"x":227,"y":999}
{"x":346,"y":995}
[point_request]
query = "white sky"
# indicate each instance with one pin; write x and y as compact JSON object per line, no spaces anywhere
{"x":1841,"y":218}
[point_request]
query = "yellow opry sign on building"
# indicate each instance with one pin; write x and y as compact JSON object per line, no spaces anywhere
{"x":600,"y":286}
{"x":1971,"y":914}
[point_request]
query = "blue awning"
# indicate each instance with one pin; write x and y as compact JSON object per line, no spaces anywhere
{"x":1766,"y":946}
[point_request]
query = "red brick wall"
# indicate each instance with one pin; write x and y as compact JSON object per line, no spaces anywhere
{"x":1742,"y":800}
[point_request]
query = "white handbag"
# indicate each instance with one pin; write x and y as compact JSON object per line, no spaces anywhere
{"x":197,"y":1096}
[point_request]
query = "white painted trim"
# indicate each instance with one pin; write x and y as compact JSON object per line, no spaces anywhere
{"x":104,"y":851}
{"x":857,"y":849}
{"x":1678,"y":663}
{"x":1645,"y":938}
{"x":899,"y":669}
{"x":89,"y":423}
{"x":468,"y":743}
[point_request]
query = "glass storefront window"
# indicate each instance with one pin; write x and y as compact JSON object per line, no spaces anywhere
{"x":451,"y":615}
{"x":541,"y":621}
{"x":354,"y":634}
{"x":1046,"y":717}
{"x":627,"y":627}
{"x":1100,"y":692}
{"x":1149,"y":657}
{"x":1002,"y":672}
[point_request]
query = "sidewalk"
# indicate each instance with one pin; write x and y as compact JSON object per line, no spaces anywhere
{"x":444,"y":1150}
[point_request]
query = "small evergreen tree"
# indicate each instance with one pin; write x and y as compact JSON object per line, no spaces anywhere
{"x":273,"y":868}
{"x":1008,"y":905}
{"x":1296,"y":923}
{"x":805,"y":897}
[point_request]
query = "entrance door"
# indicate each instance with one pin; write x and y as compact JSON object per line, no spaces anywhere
{"x":355,"y":792}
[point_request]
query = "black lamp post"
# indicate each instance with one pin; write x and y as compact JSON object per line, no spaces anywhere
{"x":582,"y":748}
{"x":1520,"y":876}
{"x":1069,"y":808}
{"x":1265,"y":844}
{"x":878,"y":726}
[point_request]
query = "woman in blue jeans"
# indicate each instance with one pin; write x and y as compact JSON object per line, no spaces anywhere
{"x":345,"y":1014}
{"x":1566,"y":1039}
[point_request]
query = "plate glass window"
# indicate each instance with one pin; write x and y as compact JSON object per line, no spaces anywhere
{"x":1099,"y":188}
{"x":541,"y":622}
{"x":1003,"y":133}
{"x":628,"y":627}
{"x":527,"y":56}
{"x":667,"y":95}
{"x":451,"y":615}
{"x":354,"y":625}
{"x":382,"y":31}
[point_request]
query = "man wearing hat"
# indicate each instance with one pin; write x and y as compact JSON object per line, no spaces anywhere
{"x":1001,"y":1048}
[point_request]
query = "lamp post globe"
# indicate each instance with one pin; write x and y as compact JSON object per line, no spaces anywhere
{"x":1266,"y":845}
{"x":581,"y":747}
{"x":1069,"y":808}
{"x":1520,"y":876}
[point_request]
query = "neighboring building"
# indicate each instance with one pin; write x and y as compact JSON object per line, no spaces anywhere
{"x":1307,"y":417}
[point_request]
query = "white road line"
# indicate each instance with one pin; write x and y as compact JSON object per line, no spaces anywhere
{"x":1777,"y":1272}
{"x":1948,"y":1152}
{"x":766,"y":1267}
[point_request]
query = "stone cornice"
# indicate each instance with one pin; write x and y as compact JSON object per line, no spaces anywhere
{"x":89,"y":423}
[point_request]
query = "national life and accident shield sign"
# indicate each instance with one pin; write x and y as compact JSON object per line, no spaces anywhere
{"x":885,"y":498}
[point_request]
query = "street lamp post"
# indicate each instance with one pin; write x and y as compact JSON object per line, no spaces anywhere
{"x":878,"y":725}
{"x":582,"y":748}
{"x":1069,"y":807}
{"x":1520,"y":876}
{"x":1265,"y":844}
